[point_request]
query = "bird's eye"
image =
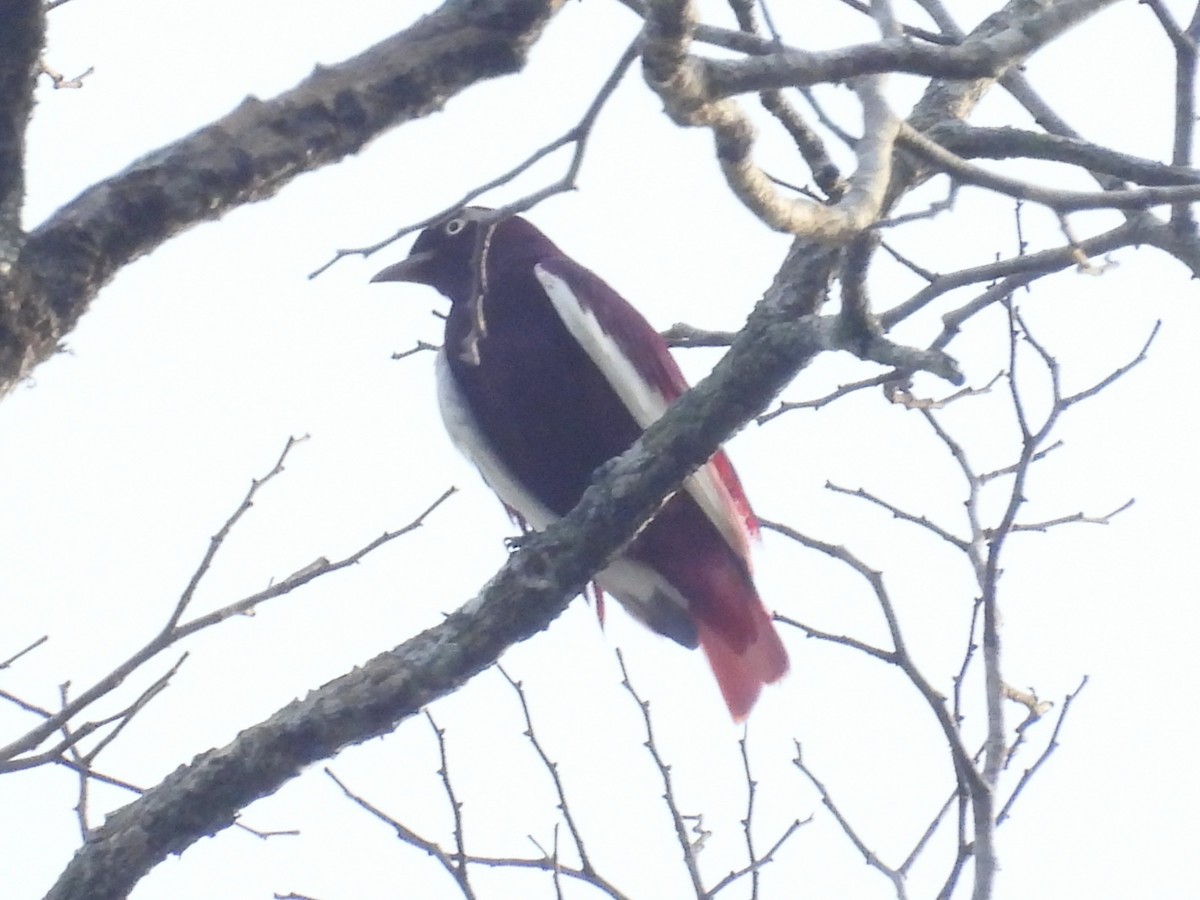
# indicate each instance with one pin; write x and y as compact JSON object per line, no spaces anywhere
{"x":454,"y":226}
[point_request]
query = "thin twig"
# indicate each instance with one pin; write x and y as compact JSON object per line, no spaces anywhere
{"x":1020,"y":269}
{"x":686,"y":844}
{"x":1100,"y":385}
{"x":405,"y":833}
{"x":909,"y":264}
{"x":899,"y":392}
{"x":836,"y":394}
{"x":460,"y":855}
{"x":1079,"y":517}
{"x":898,"y":513}
{"x":6,"y":663}
{"x":551,"y":767}
{"x":1009,"y":470}
{"x":927,"y":834}
{"x":887,"y":656}
{"x":968,"y":655}
{"x":754,"y":867}
{"x":218,"y":539}
{"x":420,"y":347}
{"x":578,"y":135}
{"x":908,"y":30}
{"x":174,"y":631}
{"x":126,"y":715}
{"x":748,"y":821}
{"x":1051,"y":746}
{"x":872,"y":858}
{"x":900,"y":657}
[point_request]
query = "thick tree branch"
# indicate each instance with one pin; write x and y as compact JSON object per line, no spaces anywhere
{"x":22,"y":33}
{"x":253,"y":152}
{"x":697,"y":92}
{"x":248,"y":156}
{"x":1056,"y":198}
{"x":522,"y":599}
{"x":972,"y":142}
{"x":679,"y":79}
{"x":979,"y":57}
{"x":951,"y":100}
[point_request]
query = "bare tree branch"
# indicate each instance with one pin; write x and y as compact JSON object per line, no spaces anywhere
{"x":403,"y":832}
{"x":836,"y":394}
{"x":897,"y":513}
{"x":975,"y":142}
{"x":1079,"y":517}
{"x":21,"y":42}
{"x":979,"y":56}
{"x":1055,"y":198}
{"x":784,"y":333}
{"x":578,"y":136}
{"x":1017,"y":271}
{"x":551,"y":767}
{"x":12,"y":756}
{"x":29,"y":648}
{"x":459,"y":859}
{"x":894,"y":875}
{"x":680,"y":80}
{"x":548,"y":569}
{"x":909,"y":30}
{"x":687,"y":846}
{"x":1184,"y":45}
{"x":239,"y":159}
{"x":1051,"y":746}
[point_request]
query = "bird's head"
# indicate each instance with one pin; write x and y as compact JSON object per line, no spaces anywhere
{"x":445,"y":255}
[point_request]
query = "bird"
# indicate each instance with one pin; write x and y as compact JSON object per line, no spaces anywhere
{"x":545,"y":374}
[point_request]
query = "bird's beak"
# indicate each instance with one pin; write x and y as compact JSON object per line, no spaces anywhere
{"x":415,"y":268}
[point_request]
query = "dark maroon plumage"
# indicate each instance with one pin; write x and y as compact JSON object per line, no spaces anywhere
{"x":547,"y":373}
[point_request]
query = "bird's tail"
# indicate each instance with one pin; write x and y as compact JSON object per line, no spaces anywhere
{"x":741,"y":673}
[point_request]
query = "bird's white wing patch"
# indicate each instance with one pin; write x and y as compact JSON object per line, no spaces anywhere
{"x":469,"y":439}
{"x":645,"y":402}
{"x":642,"y":399}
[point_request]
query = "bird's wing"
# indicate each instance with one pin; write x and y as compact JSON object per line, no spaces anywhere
{"x":637,"y":363}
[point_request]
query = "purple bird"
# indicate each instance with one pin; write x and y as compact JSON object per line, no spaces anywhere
{"x":547,"y":373}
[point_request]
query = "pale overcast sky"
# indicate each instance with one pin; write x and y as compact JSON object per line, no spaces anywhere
{"x":127,"y":452}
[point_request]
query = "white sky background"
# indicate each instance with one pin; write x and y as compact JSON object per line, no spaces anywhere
{"x":126,"y":454}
